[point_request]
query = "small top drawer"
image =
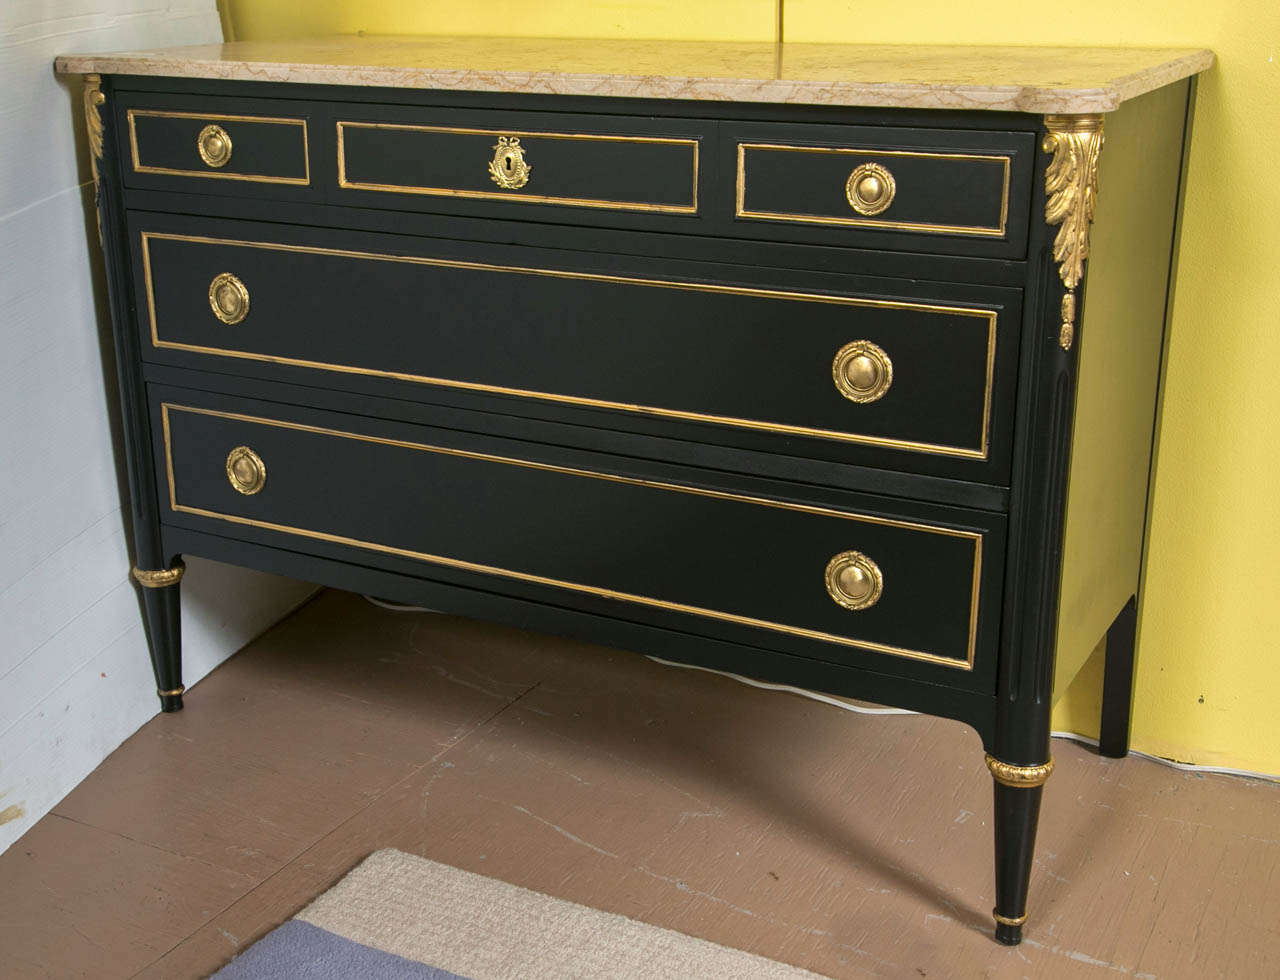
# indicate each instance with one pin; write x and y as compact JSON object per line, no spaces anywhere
{"x":182,"y":144}
{"x":515,"y":164}
{"x":935,"y":190}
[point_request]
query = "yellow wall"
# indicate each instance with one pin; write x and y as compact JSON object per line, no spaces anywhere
{"x":1209,"y":660}
{"x":722,"y":20}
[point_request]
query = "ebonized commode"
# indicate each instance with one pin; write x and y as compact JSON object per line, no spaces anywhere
{"x":755,"y":357}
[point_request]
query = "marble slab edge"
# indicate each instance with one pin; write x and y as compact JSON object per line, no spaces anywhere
{"x":904,"y":95}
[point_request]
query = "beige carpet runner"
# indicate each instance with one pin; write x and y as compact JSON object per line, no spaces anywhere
{"x":401,"y":917}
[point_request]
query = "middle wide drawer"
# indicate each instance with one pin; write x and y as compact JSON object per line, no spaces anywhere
{"x":893,"y":373}
{"x":897,"y":587}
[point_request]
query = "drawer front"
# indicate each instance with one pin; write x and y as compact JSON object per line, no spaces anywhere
{"x":893,"y":377}
{"x":470,"y":161}
{"x":257,"y":148}
{"x":936,"y":190}
{"x":623,"y":173}
{"x":840,"y":585}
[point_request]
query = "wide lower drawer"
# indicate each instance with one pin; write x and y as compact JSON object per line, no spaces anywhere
{"x":895,"y":376}
{"x":840,"y":582}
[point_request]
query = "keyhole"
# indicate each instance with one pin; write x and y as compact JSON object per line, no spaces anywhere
{"x":507,"y":163}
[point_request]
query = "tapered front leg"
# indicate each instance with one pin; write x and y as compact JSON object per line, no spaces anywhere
{"x":159,"y":583}
{"x":1019,"y":747}
{"x":164,"y":631}
{"x":1017,"y":812}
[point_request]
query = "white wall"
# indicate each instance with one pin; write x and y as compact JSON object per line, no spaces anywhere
{"x":75,"y":679}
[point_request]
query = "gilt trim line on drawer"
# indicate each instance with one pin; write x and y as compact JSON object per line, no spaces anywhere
{"x":991,"y":231}
{"x":980,"y":453}
{"x":142,"y":168}
{"x":967,"y":664}
{"x":581,"y":202}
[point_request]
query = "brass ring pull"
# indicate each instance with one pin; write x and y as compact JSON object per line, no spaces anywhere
{"x":862,"y":371}
{"x":246,"y":470}
{"x":508,"y":168}
{"x":214,"y":145}
{"x":870,"y":189}
{"x":854,"y":580}
{"x":228,"y":298}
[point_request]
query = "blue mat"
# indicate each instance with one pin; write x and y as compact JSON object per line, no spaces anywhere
{"x":300,"y":951}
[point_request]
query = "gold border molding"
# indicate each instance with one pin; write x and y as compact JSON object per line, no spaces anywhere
{"x":142,"y":168}
{"x":689,"y":142}
{"x":991,"y":317}
{"x":175,"y":692}
{"x":991,"y":231}
{"x":1019,"y":777}
{"x":1071,"y":186}
{"x":159,"y":578}
{"x":168,"y":409}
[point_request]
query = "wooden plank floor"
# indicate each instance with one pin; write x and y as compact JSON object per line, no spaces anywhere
{"x":854,"y":846}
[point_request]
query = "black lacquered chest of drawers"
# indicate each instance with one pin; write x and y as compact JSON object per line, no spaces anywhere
{"x":786,"y":377}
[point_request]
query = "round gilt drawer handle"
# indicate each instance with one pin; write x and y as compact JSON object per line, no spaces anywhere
{"x":508,"y":168}
{"x":214,"y":145}
{"x":870,"y":189}
{"x":228,"y":298}
{"x":862,"y":371}
{"x":246,"y":470}
{"x":854,"y":580}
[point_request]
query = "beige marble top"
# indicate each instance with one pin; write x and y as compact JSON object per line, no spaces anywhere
{"x":1020,"y":79}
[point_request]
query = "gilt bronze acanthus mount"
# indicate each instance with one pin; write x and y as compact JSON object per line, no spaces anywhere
{"x":1071,"y":188}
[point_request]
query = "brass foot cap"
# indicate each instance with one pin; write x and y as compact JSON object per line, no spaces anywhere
{"x":1006,"y":920}
{"x":159,"y":578}
{"x":1019,"y":777}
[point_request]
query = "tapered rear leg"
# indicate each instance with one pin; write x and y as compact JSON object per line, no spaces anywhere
{"x":1117,"y":683}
